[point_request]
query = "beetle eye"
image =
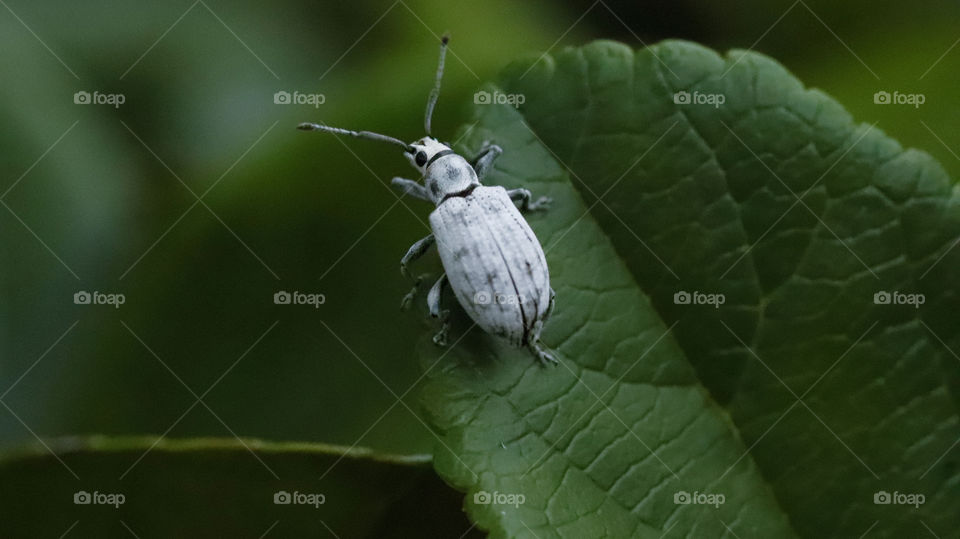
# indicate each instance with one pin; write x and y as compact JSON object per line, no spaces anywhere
{"x":421,"y":159}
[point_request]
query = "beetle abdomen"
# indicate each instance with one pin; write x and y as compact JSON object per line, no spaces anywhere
{"x":494,"y":262}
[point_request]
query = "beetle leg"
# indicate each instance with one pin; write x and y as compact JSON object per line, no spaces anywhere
{"x":539,"y":351}
{"x":523,"y":196}
{"x":433,"y":302}
{"x":543,"y":355}
{"x":412,"y":188}
{"x":407,"y":300}
{"x":416,"y":251}
{"x":549,"y":311}
{"x":484,"y":160}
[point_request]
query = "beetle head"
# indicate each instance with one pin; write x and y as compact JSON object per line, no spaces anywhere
{"x":422,"y":151}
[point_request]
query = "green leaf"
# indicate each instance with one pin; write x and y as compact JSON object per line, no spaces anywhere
{"x":209,"y":487}
{"x":818,"y":398}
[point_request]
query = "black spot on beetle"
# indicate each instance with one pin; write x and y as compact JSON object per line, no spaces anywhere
{"x":434,"y":188}
{"x":421,"y":159}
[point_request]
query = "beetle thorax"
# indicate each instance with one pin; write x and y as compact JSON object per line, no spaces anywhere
{"x":445,"y":172}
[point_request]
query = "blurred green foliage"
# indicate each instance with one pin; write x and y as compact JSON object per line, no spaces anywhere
{"x":287,"y":211}
{"x":216,"y":489}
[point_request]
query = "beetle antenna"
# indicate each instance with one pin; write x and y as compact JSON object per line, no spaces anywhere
{"x":435,"y":92}
{"x":369,"y":135}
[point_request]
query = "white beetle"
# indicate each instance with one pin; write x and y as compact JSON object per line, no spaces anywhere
{"x":491,"y":258}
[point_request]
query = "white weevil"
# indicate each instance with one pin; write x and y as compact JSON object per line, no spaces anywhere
{"x":491,"y":258}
